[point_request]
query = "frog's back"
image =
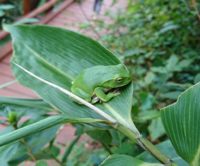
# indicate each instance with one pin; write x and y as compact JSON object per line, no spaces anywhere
{"x":93,"y":77}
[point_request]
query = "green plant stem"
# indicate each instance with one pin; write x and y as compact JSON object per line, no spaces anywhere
{"x":69,"y":149}
{"x":195,"y":7}
{"x":106,"y":147}
{"x":23,"y":141}
{"x":53,"y":157}
{"x":146,"y":145}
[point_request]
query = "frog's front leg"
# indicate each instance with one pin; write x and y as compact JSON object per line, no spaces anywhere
{"x":99,"y":91}
{"x":80,"y":93}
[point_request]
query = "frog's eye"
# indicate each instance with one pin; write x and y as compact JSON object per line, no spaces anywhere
{"x":118,"y":80}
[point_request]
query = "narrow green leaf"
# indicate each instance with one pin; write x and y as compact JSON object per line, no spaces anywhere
{"x":41,"y":125}
{"x":172,"y":95}
{"x":42,"y":163}
{"x":124,"y":160}
{"x":41,"y":154}
{"x":6,"y":6}
{"x":156,"y":129}
{"x":171,"y":63}
{"x":116,"y":137}
{"x":181,"y":122}
{"x":7,"y":84}
{"x":100,"y":135}
{"x":143,"y":116}
{"x":146,"y":99}
{"x":197,"y":78}
{"x":148,"y":79}
{"x":69,"y":149}
{"x":159,"y":69}
{"x":114,"y":2}
{"x":126,"y":148}
{"x":36,"y":107}
{"x":1,"y":13}
{"x":3,"y":121}
{"x":27,"y":20}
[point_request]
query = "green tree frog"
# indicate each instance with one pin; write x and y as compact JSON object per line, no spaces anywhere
{"x":95,"y":84}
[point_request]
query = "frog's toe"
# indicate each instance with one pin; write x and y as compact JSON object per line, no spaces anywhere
{"x":95,"y":100}
{"x":116,"y":92}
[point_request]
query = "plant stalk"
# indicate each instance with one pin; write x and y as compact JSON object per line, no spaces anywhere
{"x":23,"y":141}
{"x":107,"y":148}
{"x":53,"y":157}
{"x":69,"y":149}
{"x":146,"y":145}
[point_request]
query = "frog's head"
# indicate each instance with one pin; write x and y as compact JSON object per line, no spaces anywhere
{"x":118,"y":76}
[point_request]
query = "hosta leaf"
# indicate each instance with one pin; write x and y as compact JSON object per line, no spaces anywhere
{"x":124,"y":160}
{"x":181,"y":122}
{"x":58,"y":56}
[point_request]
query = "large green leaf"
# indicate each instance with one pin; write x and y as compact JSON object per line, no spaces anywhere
{"x":167,"y":148}
{"x":124,"y":160}
{"x":58,"y":56}
{"x":181,"y":122}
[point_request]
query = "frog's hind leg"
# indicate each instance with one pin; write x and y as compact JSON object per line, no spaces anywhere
{"x":80,"y":93}
{"x":94,"y":99}
{"x":99,"y":91}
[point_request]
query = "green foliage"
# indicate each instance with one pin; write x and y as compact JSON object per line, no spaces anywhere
{"x":182,"y":119}
{"x":42,"y":163}
{"x":158,"y":41}
{"x":4,"y":8}
{"x":124,"y":160}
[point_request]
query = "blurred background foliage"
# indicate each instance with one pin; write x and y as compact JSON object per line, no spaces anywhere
{"x":159,"y":43}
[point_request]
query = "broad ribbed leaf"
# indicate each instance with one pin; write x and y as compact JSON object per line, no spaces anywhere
{"x":124,"y":160}
{"x":58,"y":56}
{"x":181,"y":121}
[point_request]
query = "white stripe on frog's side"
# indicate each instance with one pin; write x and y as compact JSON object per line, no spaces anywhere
{"x":120,"y":85}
